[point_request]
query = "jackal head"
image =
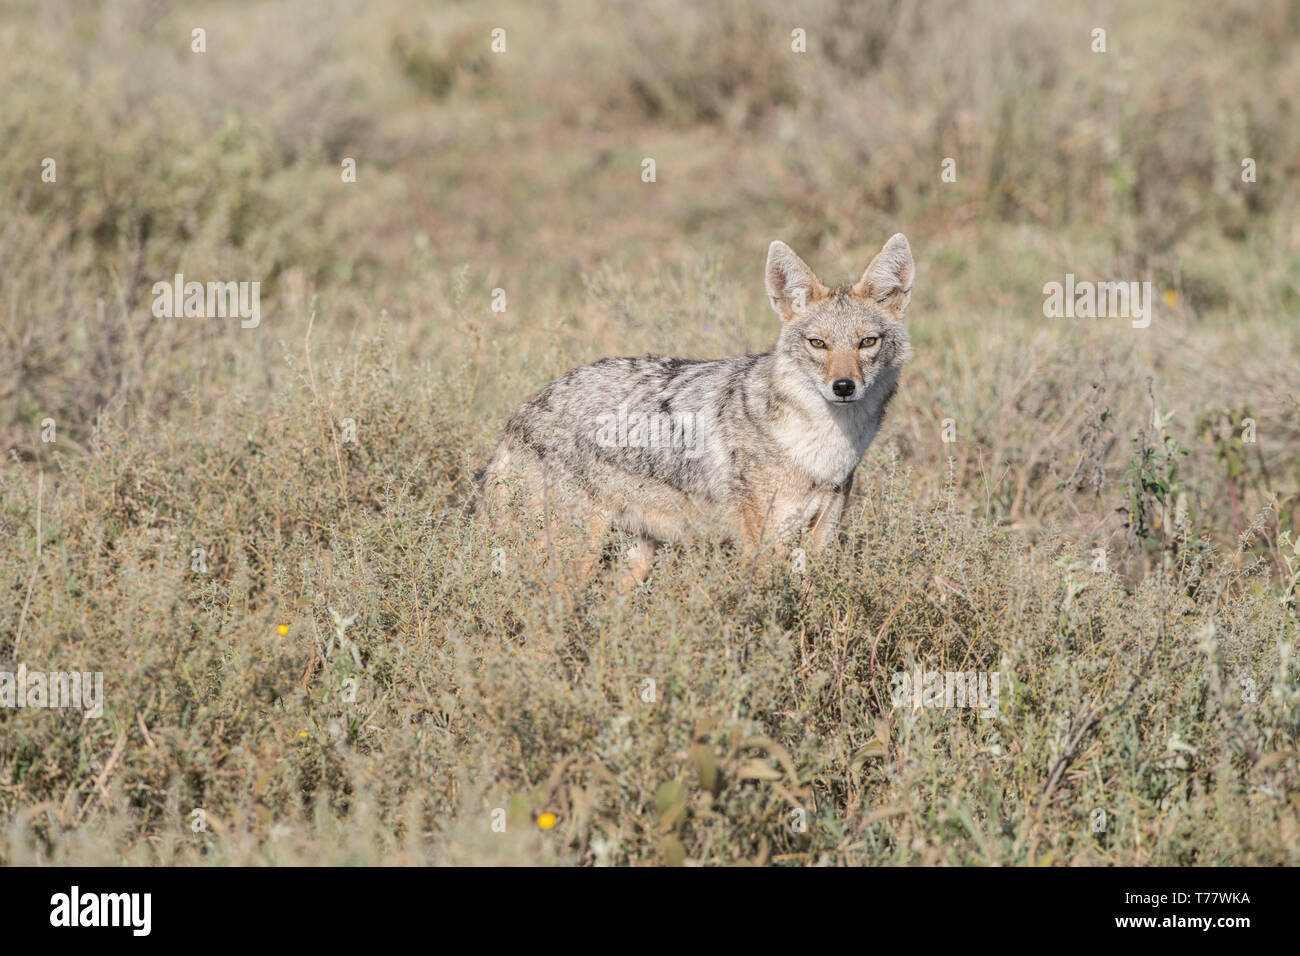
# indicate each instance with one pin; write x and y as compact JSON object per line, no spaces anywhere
{"x":842,"y":337}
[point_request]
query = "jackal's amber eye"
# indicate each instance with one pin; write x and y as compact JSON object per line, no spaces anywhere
{"x":817,"y":343}
{"x":869,"y":341}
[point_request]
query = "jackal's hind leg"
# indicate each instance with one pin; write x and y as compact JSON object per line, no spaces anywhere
{"x":640,"y":559}
{"x":577,"y":551}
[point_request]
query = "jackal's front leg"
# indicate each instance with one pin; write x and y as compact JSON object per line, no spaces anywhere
{"x":765,"y":528}
{"x":827,"y":521}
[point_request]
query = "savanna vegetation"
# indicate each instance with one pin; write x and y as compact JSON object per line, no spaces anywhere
{"x":262,"y":536}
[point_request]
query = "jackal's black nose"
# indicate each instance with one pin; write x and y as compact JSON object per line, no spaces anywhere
{"x":843,"y":387}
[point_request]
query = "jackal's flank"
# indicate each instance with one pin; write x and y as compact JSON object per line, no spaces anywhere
{"x":759,"y":450}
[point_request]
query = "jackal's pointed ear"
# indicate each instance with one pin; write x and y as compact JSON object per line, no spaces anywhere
{"x":791,"y":285}
{"x":888,"y":280}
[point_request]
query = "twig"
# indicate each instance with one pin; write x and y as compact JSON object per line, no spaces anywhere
{"x":1092,"y":717}
{"x":36,"y":565}
{"x":113,"y":758}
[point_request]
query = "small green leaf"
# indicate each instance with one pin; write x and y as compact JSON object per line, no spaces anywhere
{"x":670,"y":803}
{"x":674,"y":853}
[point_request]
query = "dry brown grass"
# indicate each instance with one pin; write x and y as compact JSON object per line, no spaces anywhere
{"x":476,"y":689}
